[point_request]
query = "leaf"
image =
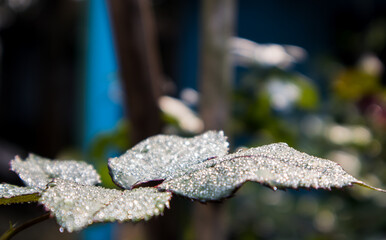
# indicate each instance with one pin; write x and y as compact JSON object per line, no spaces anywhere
{"x":275,"y":165}
{"x":37,"y":172}
{"x":165,"y":157}
{"x":76,"y":206}
{"x":308,"y":98}
{"x":13,"y":194}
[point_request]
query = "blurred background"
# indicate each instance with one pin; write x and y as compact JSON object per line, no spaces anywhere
{"x":87,"y":80}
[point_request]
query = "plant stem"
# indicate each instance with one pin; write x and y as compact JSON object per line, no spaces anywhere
{"x":13,"y":230}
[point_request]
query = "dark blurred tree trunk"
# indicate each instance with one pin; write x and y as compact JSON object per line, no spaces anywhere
{"x":217,"y":26}
{"x":136,"y":46}
{"x":138,"y":58}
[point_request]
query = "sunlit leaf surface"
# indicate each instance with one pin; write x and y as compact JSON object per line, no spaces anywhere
{"x":76,"y":206}
{"x":165,"y":157}
{"x":14,"y":194}
{"x":37,"y":172}
{"x":275,"y":165}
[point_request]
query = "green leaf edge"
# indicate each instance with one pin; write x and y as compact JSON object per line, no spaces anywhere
{"x":26,"y":198}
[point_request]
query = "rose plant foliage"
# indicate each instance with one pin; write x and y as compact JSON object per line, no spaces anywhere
{"x":151,"y":172}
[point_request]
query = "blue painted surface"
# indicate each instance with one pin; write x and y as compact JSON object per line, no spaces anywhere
{"x":102,"y":92}
{"x":99,"y":232}
{"x":103,"y":107}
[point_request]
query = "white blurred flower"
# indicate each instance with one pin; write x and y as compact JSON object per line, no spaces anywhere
{"x":190,"y":96}
{"x":283,"y":94}
{"x":19,"y":5}
{"x":246,"y":53}
{"x":354,"y":134}
{"x":187,"y":119}
{"x":371,"y":64}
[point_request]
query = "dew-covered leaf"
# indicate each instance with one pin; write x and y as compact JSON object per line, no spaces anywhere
{"x":275,"y":165}
{"x":75,"y":206}
{"x":14,"y":194}
{"x":165,"y":157}
{"x":37,"y":172}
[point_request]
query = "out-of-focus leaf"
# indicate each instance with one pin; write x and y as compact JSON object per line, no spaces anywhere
{"x":37,"y":172}
{"x":353,"y":84}
{"x":308,"y":98}
{"x":76,"y":206}
{"x":165,"y":157}
{"x":13,"y":194}
{"x":107,"y":144}
{"x":275,"y":165}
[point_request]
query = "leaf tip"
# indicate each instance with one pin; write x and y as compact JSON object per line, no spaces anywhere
{"x":363,"y":184}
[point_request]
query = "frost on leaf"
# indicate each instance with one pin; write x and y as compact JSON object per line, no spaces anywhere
{"x":14,"y":194}
{"x":76,"y":206}
{"x":165,"y":157}
{"x":275,"y":165}
{"x":37,"y":172}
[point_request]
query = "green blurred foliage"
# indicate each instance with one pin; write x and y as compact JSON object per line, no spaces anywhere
{"x":354,"y":84}
{"x":263,"y":103}
{"x":109,"y":144}
{"x":348,"y":126}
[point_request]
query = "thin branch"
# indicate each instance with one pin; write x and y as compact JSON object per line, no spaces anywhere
{"x":13,"y":230}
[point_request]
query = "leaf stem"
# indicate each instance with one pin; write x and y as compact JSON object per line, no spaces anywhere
{"x":13,"y":230}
